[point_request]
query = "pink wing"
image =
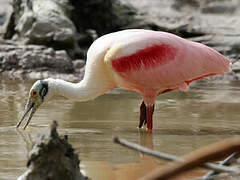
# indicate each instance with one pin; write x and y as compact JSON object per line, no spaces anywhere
{"x":168,"y":62}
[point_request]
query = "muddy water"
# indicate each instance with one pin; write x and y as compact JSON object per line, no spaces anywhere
{"x":183,"y":121}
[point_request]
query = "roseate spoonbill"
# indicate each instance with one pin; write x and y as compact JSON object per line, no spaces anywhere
{"x":149,"y":62}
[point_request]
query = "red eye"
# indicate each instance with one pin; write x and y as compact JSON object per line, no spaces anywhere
{"x":34,"y":93}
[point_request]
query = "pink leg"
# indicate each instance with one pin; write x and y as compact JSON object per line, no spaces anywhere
{"x":149,"y":113}
{"x":142,"y":118}
{"x":146,"y":113}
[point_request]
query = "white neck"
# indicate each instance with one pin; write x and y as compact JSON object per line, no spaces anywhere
{"x":82,"y":91}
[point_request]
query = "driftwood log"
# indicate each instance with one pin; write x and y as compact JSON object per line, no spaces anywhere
{"x":52,"y":158}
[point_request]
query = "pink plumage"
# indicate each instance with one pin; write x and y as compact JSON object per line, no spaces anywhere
{"x":152,"y":62}
{"x":148,"y":57}
{"x":165,"y":61}
{"x":145,"y":61}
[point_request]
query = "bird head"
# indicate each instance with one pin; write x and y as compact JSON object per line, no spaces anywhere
{"x":37,"y":95}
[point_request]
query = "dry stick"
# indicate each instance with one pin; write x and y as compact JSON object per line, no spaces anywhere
{"x":226,"y":161}
{"x":214,"y":175}
{"x":145,"y":150}
{"x":169,"y":157}
{"x":199,"y":157}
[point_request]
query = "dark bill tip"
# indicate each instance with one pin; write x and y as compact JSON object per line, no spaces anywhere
{"x":29,"y":106}
{"x":33,"y":110}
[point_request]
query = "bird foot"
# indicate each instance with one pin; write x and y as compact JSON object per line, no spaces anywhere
{"x":146,"y":113}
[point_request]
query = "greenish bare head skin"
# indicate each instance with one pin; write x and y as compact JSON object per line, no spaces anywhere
{"x":36,"y":97}
{"x":38,"y":91}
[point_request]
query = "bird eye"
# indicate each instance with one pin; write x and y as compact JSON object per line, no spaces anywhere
{"x":34,"y":93}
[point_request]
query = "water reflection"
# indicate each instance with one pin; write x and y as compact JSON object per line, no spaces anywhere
{"x":26,"y":138}
{"x":183,"y":121}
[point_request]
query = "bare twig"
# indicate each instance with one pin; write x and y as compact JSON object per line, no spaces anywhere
{"x":145,"y":150}
{"x":212,"y":175}
{"x":226,"y":161}
{"x":197,"y":158}
{"x":168,"y":157}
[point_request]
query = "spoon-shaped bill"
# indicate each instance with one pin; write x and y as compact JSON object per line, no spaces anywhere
{"x":33,"y":110}
{"x":30,"y":105}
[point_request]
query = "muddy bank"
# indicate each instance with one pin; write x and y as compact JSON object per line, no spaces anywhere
{"x":62,"y":32}
{"x":52,"y":157}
